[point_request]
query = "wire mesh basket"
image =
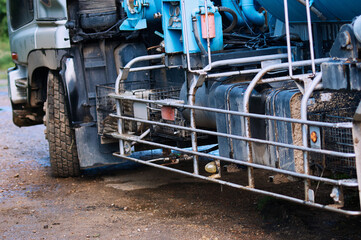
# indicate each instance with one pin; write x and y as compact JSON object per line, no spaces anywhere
{"x":105,"y":105}
{"x":336,"y":139}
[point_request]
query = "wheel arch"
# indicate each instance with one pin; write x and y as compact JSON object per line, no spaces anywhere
{"x":45,"y":58}
{"x":71,"y":75}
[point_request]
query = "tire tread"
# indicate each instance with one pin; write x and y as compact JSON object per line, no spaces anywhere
{"x":62,"y":145}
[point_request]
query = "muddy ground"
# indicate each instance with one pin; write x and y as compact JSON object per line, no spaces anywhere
{"x":143,"y":203}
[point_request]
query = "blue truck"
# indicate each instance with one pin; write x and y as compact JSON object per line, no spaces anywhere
{"x":196,"y":87}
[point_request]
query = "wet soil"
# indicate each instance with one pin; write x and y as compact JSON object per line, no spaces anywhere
{"x":142,"y":203}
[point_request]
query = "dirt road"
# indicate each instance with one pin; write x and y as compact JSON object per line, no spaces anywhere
{"x":139,"y":204}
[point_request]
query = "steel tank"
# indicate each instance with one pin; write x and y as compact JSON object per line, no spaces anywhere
{"x":332,"y":10}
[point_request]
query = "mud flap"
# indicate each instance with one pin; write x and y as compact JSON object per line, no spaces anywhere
{"x":93,"y":154}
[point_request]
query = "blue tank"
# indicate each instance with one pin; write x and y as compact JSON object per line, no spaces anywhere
{"x":333,"y":10}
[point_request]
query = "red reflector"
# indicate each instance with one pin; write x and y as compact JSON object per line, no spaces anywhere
{"x":14,"y":56}
{"x":168,"y":113}
{"x":314,"y":136}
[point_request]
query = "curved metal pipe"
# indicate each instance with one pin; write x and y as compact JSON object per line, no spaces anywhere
{"x":264,"y":71}
{"x":247,"y":96}
{"x":123,"y":73}
{"x":252,"y":14}
{"x":305,"y":98}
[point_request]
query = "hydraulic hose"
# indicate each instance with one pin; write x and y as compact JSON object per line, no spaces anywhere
{"x":234,"y":21}
{"x":197,"y":36}
{"x":232,"y":4}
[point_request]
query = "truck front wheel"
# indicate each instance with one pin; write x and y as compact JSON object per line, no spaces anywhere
{"x":61,"y":137}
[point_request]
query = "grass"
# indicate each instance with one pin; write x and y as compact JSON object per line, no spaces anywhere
{"x":5,"y":58}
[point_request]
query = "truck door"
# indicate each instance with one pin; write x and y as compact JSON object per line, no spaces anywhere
{"x":21,"y":28}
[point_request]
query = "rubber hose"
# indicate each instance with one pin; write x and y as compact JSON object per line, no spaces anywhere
{"x":197,"y":36}
{"x":234,"y":15}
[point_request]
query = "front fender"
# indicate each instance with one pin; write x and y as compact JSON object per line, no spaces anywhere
{"x":45,"y":58}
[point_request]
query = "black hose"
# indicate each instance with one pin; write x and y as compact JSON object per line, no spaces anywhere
{"x":197,"y":36}
{"x":293,"y":36}
{"x":234,"y":16}
{"x":237,"y":35}
{"x":103,"y":32}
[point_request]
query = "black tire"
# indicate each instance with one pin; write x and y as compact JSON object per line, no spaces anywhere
{"x":61,"y":137}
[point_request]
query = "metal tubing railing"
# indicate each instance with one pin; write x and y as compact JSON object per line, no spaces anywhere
{"x":243,"y":163}
{"x":238,"y":186}
{"x":310,"y":36}
{"x":192,"y":99}
{"x":288,"y":38}
{"x":253,"y":84}
{"x":138,"y":69}
{"x":186,"y":39}
{"x":247,"y":60}
{"x":236,"y":137}
{"x":264,"y":71}
{"x":233,"y":73}
{"x":124,"y":72}
{"x":123,"y":75}
{"x":356,"y":133}
{"x":342,"y":125}
{"x":143,"y":58}
{"x":304,"y":101}
{"x":247,"y":95}
{"x":127,"y":69}
{"x":195,"y":84}
{"x":208,"y":39}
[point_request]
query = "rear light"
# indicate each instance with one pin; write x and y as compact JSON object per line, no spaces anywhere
{"x":14,"y":56}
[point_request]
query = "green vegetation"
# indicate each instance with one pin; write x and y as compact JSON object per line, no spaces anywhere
{"x":3,"y":22}
{"x":5,"y":54}
{"x":5,"y":58}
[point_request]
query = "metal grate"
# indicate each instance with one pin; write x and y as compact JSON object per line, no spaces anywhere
{"x":105,"y":106}
{"x":168,"y":93}
{"x":336,"y":139}
{"x":155,"y":114}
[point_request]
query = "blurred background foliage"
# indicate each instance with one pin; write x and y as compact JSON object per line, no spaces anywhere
{"x":3,"y":22}
{"x":5,"y":58}
{"x":5,"y":55}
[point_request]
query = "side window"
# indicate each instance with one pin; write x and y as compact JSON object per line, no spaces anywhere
{"x":21,"y":12}
{"x":51,"y":10}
